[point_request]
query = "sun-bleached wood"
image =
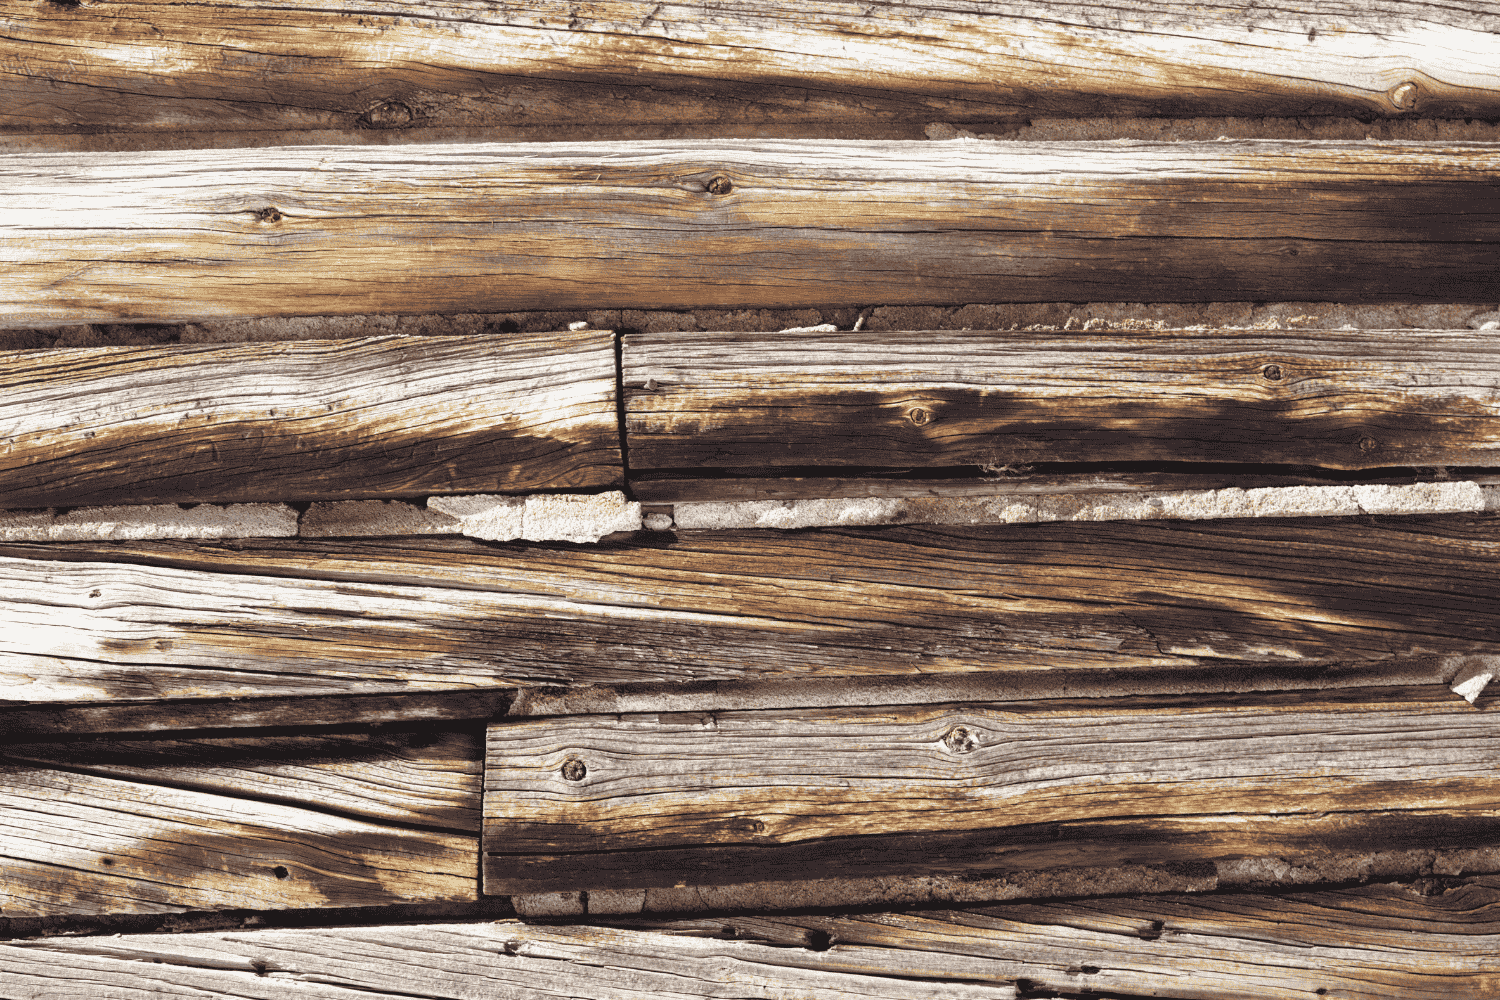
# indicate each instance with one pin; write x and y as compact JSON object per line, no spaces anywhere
{"x":78,"y":843}
{"x":428,"y":777}
{"x":1434,"y":940}
{"x":506,"y":958}
{"x":85,"y":623}
{"x":246,"y":65}
{"x":190,"y":235}
{"x":739,"y":783}
{"x":1336,"y":399}
{"x":380,"y":416}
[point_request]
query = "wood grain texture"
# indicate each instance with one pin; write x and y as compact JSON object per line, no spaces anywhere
{"x":565,"y":787}
{"x":78,"y":843}
{"x":187,"y":235}
{"x":426,"y":777}
{"x":244,"y":64}
{"x":381,"y":416}
{"x":1435,"y":940}
{"x":1336,"y":399}
{"x":283,"y":617}
{"x":465,"y":961}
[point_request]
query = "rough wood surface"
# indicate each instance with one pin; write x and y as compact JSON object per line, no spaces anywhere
{"x":428,"y":777}
{"x":1336,"y":399}
{"x":463,"y":961}
{"x":1434,"y":940}
{"x":187,"y":235}
{"x":78,"y":843}
{"x":382,"y":416}
{"x":281,"y":617}
{"x":244,"y":64}
{"x":566,"y":787}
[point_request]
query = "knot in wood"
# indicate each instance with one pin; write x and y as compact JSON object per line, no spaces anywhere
{"x":919,"y":415}
{"x":573,"y":769}
{"x":1404,"y":95}
{"x":268,"y":214}
{"x":718,"y":184}
{"x":1272,"y":372}
{"x":960,"y":740}
{"x":1368,"y":444}
{"x":387,"y":114}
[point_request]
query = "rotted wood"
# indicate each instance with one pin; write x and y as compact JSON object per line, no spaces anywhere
{"x":1336,"y":399}
{"x":320,"y":419}
{"x":634,"y":801}
{"x":89,"y":624}
{"x":127,"y":66}
{"x":73,"y":842}
{"x":1433,"y":939}
{"x":189,"y":235}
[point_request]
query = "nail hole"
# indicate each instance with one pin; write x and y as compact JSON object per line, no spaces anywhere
{"x":107,"y":862}
{"x":280,"y":872}
{"x":818,"y":941}
{"x":719,"y":184}
{"x":259,"y":967}
{"x":1321,"y":990}
{"x":1272,"y":372}
{"x":95,"y":593}
{"x":573,"y":769}
{"x":1090,"y":970}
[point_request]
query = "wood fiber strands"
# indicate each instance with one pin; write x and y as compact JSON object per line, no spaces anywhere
{"x":307,"y":420}
{"x":1337,"y":399}
{"x":1431,"y":941}
{"x":72,"y":842}
{"x":189,"y":235}
{"x":631,"y":801}
{"x":243,"y":64}
{"x":85,"y":623}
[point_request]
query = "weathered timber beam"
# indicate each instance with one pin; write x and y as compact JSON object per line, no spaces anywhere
{"x":78,"y":843}
{"x":663,"y":799}
{"x":85,"y":623}
{"x":442,"y":228}
{"x":124,"y":66}
{"x":383,"y":416}
{"x":1336,"y":399}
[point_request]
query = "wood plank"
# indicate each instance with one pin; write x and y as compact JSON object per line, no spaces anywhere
{"x":318,"y":419}
{"x":904,"y":787}
{"x":152,"y":66}
{"x":505,"y":958}
{"x":183,"y":235}
{"x":1334,"y":399}
{"x":427,"y":776}
{"x":1029,"y":480}
{"x":75,"y":843}
{"x":1310,"y":603}
{"x":1429,"y":941}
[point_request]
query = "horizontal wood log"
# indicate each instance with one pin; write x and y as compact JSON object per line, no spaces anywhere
{"x":906,"y":787}
{"x":1430,"y":941}
{"x":92,"y":623}
{"x":77,"y":843}
{"x":244,"y":64}
{"x":1336,"y":399}
{"x":185,"y":235}
{"x":666,"y":489}
{"x":382,"y":416}
{"x":427,"y":777}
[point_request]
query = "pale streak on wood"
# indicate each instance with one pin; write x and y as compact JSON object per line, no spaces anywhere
{"x":393,"y":416}
{"x":77,"y":843}
{"x":187,"y":235}
{"x":427,"y":778}
{"x":138,"y":521}
{"x":1327,"y":600}
{"x":1276,"y":501}
{"x":1335,"y":399}
{"x":789,"y":776}
{"x":460,"y":961}
{"x":243,"y":64}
